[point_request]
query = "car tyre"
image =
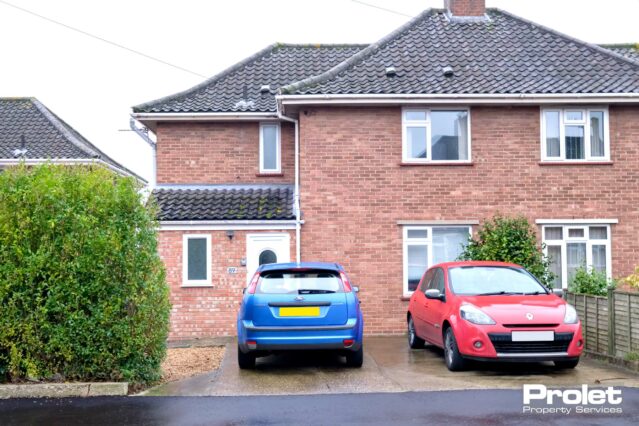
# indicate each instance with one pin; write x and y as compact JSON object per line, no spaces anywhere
{"x":454,"y":359}
{"x":566,"y":365}
{"x":246,"y":361}
{"x":355,"y":359}
{"x":413,"y":340}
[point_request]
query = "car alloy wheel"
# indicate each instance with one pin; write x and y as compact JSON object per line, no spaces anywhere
{"x":414,"y":341}
{"x":454,"y":360}
{"x":449,"y":348}
{"x":411,"y":332}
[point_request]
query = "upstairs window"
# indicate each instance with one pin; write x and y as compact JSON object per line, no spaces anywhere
{"x":575,"y":134}
{"x":270,"y":148}
{"x":434,"y":135}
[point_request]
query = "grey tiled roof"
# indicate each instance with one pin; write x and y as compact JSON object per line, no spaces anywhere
{"x":30,"y":131}
{"x":630,"y":51}
{"x":237,"y":89}
{"x":226,"y":202}
{"x":505,"y":54}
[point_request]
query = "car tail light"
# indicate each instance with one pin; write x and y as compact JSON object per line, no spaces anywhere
{"x":252,"y":344}
{"x":253,"y":285}
{"x":346,"y":282}
{"x":348,"y":343}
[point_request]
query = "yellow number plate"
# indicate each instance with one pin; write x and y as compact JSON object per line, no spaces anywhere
{"x":306,"y":311}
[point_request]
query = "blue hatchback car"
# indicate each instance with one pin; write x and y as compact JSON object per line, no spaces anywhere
{"x":299,"y":306}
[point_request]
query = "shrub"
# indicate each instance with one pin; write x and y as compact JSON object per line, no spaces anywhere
{"x":632,"y":356}
{"x":633,"y":279}
{"x":82,"y":288}
{"x":509,"y":239}
{"x":590,"y":281}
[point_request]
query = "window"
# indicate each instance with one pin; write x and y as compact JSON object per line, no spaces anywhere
{"x":299,"y":282}
{"x":437,"y":283}
{"x":196,"y":260}
{"x":435,"y":135}
{"x":575,"y":135}
{"x":270,"y":152}
{"x":267,"y":256}
{"x":425,"y":246}
{"x":575,"y":246}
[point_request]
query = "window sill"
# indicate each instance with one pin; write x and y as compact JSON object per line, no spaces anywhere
{"x":192,"y":285}
{"x":269,"y":174}
{"x":437,"y":164}
{"x":405,"y":298}
{"x":576,"y":163}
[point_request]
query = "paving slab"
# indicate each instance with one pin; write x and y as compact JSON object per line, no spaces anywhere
{"x":389,"y":366}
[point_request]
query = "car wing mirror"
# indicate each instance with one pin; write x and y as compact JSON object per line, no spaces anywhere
{"x":356,"y":289}
{"x":244,"y":290}
{"x":433,"y":294}
{"x":558,"y":292}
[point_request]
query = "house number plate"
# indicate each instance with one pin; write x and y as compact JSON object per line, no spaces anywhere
{"x":231,"y":270}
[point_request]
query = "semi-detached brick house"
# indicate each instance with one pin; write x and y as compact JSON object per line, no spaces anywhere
{"x":385,"y":157}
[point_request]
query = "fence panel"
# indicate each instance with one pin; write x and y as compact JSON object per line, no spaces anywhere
{"x":610,"y":324}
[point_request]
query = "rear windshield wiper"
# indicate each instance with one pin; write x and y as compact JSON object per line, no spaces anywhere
{"x":498,"y":293}
{"x":313,"y":291}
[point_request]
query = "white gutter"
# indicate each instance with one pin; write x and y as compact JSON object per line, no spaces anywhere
{"x":296,"y":192}
{"x":204,"y":116}
{"x":382,"y":99}
{"x":64,"y":161}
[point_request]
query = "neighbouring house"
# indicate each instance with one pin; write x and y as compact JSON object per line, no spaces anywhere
{"x":386,"y":157}
{"x":31,"y":134}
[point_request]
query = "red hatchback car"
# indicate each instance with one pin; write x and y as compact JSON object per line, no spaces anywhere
{"x":492,"y":311}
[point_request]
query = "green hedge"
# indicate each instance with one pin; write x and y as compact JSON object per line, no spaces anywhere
{"x":82,"y":288}
{"x":510,"y":239}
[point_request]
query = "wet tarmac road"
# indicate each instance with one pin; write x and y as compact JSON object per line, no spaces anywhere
{"x":474,"y":407}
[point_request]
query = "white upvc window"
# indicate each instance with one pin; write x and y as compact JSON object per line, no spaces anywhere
{"x":196,"y":260}
{"x":577,"y":245}
{"x":435,"y":135}
{"x":270,"y":148}
{"x":575,"y":134}
{"x":425,"y":246}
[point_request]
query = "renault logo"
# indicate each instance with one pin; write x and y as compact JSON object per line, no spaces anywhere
{"x":299,"y":298}
{"x":530,"y":316}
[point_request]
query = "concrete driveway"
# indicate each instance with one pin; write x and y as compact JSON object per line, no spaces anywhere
{"x":389,"y":366}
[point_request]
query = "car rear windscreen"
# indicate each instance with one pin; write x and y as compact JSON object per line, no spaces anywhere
{"x":299,"y":282}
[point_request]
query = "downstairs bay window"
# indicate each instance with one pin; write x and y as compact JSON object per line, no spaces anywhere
{"x":425,"y":246}
{"x":574,"y":246}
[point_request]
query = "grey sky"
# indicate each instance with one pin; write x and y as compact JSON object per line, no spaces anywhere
{"x":92,"y":85}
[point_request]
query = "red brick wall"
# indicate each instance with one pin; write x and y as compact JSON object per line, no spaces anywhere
{"x":466,"y":7}
{"x":200,"y":312}
{"x":204,"y":153}
{"x":351,"y":204}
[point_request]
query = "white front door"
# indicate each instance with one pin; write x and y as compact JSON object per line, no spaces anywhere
{"x":266,"y":248}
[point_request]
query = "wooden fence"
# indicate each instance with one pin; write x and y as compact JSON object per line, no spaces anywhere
{"x":610,"y":324}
